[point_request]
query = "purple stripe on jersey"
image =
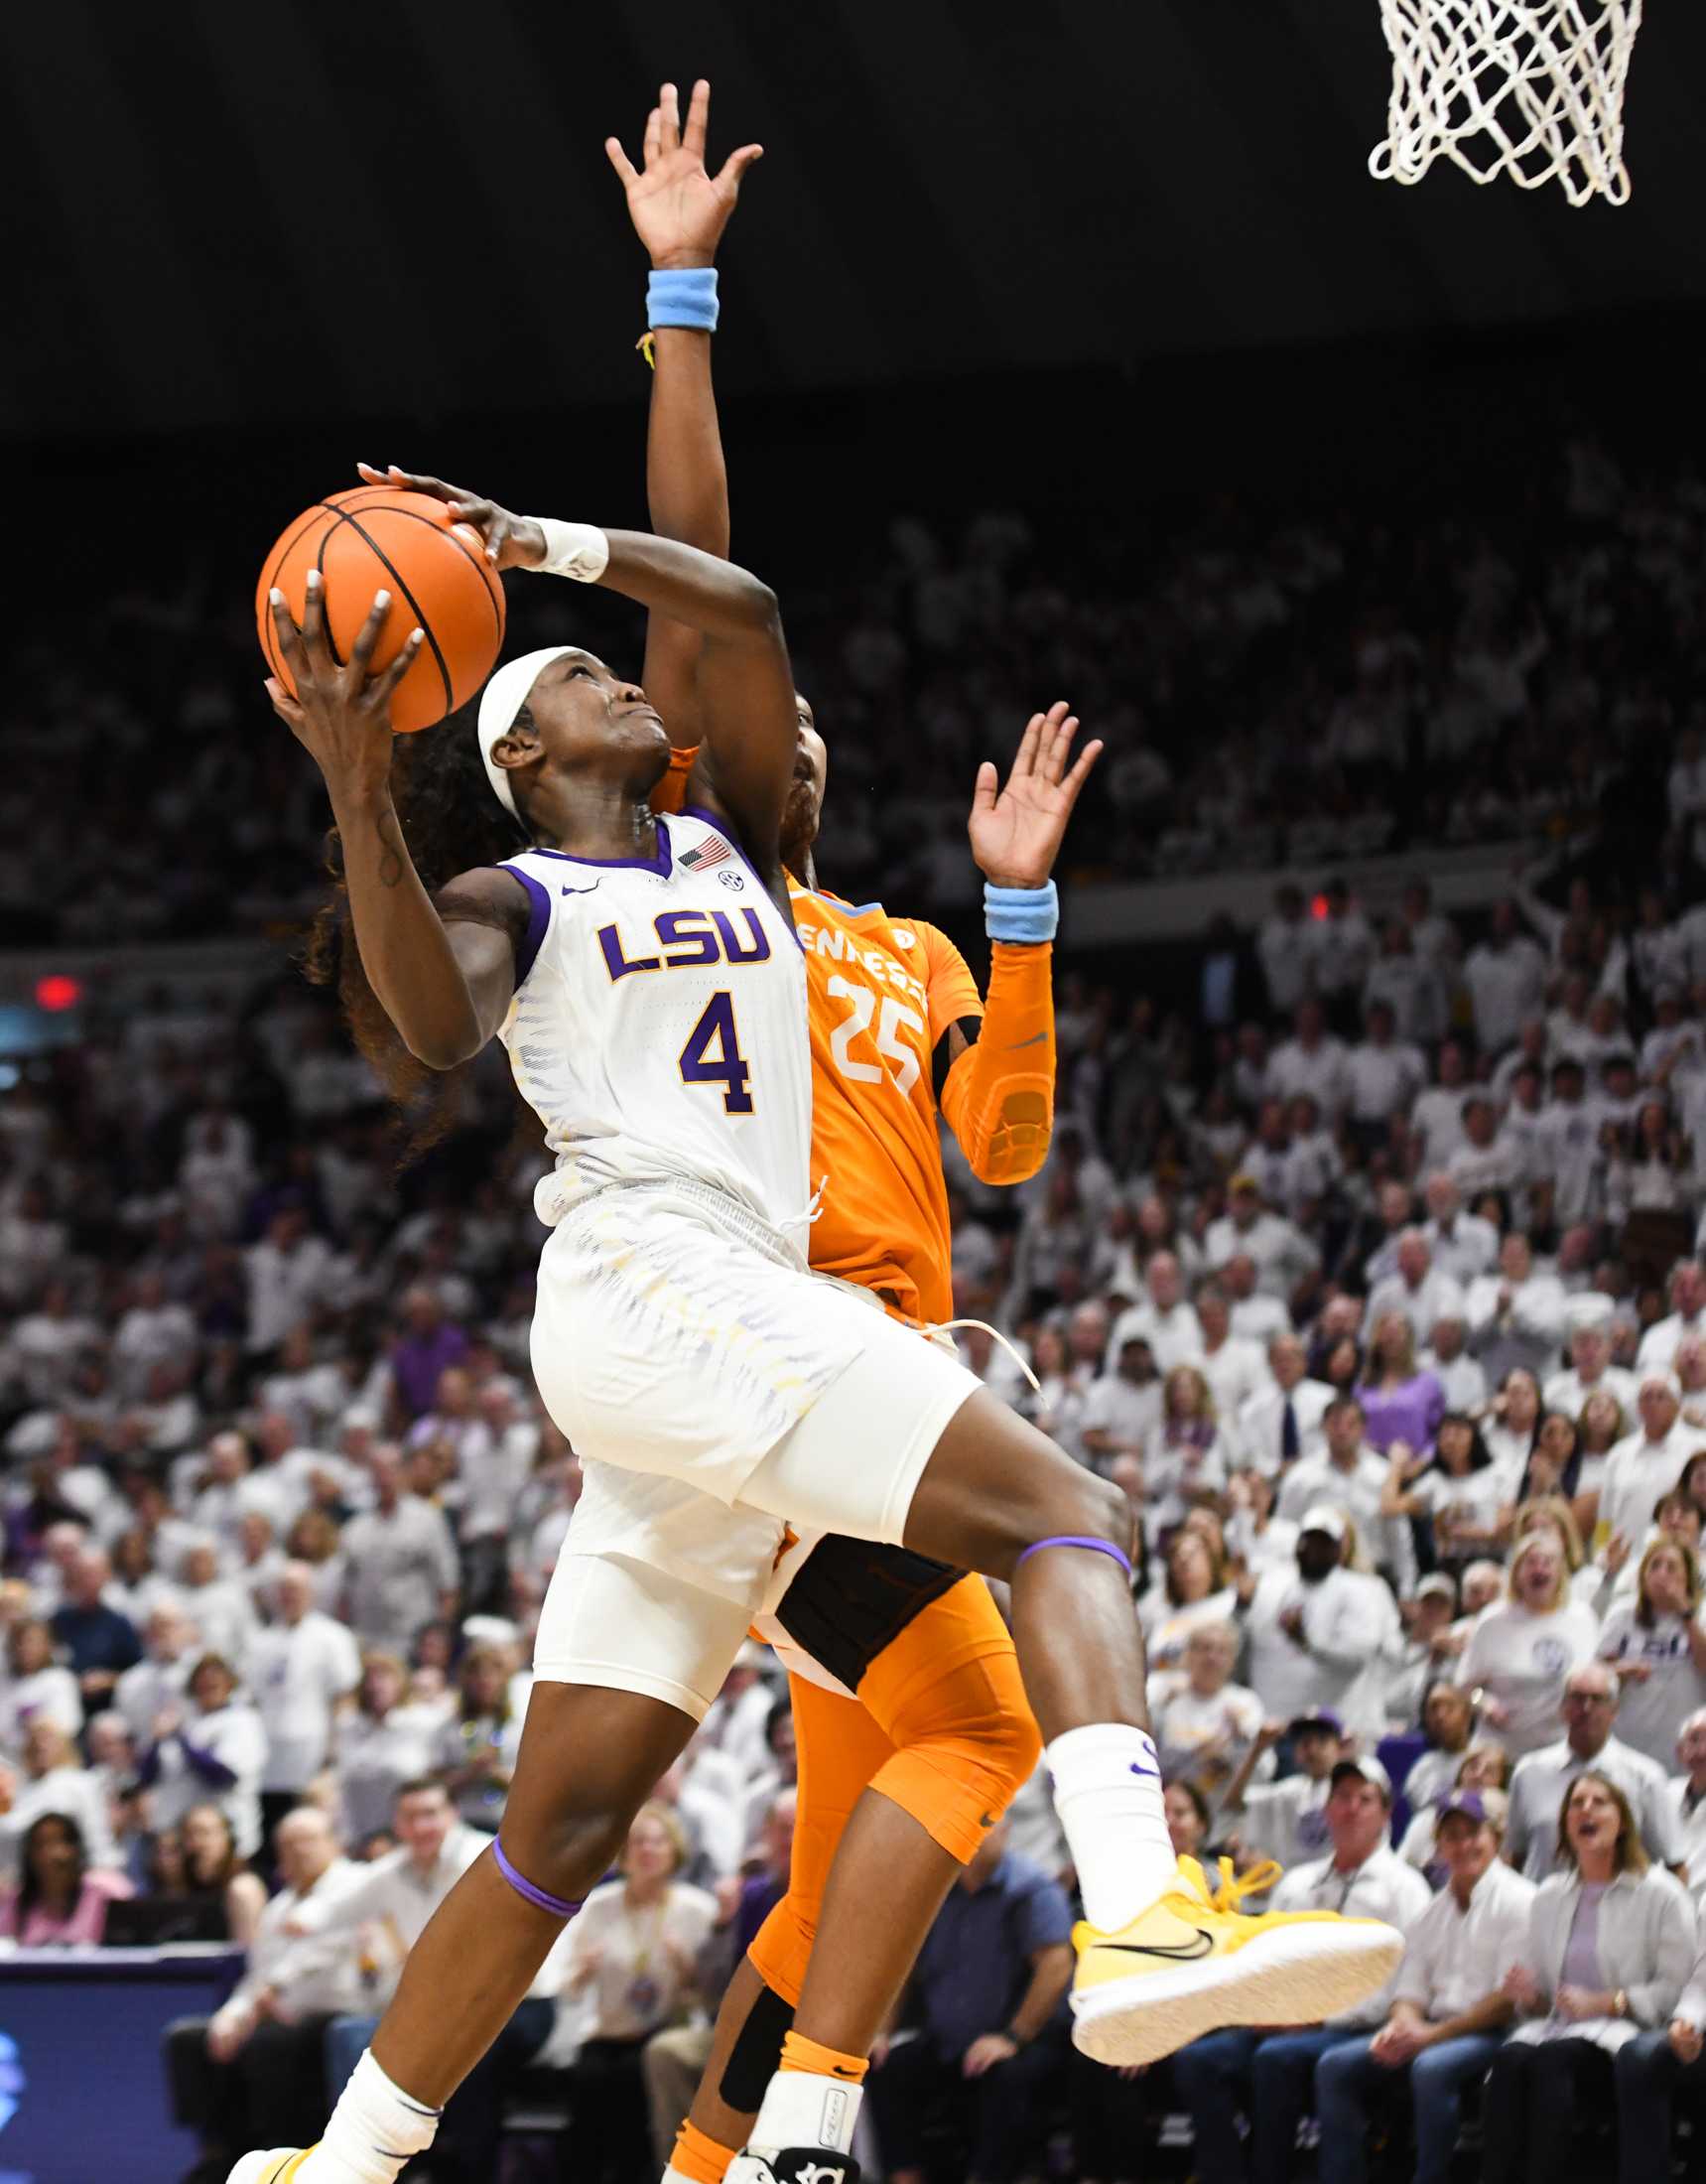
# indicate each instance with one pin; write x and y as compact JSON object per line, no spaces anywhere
{"x":659,"y":863}
{"x":538,"y":922}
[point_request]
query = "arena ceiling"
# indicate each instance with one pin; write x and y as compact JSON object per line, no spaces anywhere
{"x":235,"y":215}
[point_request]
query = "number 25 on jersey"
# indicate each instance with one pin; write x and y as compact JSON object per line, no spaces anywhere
{"x":713,"y":1055}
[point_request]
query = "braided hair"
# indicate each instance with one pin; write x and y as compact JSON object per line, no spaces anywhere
{"x":451,"y":823}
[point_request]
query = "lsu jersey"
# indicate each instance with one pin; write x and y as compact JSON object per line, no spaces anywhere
{"x":658,"y":1028}
{"x":883,"y":993}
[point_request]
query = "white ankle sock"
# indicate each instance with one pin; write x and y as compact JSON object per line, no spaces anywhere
{"x":1107,"y":1793}
{"x":800,"y":2108}
{"x":375,"y":2130}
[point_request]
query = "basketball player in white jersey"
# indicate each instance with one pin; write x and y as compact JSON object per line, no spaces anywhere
{"x":644,"y":976}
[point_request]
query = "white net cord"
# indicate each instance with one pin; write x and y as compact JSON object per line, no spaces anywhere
{"x":1528,"y":88}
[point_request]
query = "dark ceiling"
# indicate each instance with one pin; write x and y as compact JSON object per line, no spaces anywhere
{"x":222,"y":215}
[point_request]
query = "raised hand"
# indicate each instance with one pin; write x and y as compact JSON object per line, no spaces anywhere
{"x":510,"y":541}
{"x":341,"y":714}
{"x":1017,"y":831}
{"x":679,"y":209}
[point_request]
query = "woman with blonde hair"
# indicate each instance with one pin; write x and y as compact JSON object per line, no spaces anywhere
{"x":1657,"y":1646}
{"x":1611,"y":1943}
{"x":1195,"y":1588}
{"x":632,"y":1965}
{"x":1523,"y":1647}
{"x":1185,"y":1461}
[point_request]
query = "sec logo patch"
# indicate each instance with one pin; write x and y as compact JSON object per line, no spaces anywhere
{"x":732,"y":880}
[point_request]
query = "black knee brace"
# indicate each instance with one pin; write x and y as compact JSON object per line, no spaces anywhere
{"x":757,"y":2051}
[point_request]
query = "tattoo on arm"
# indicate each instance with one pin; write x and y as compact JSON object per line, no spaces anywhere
{"x":391,"y":862}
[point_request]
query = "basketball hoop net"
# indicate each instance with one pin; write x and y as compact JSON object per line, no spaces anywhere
{"x":1529,"y":88}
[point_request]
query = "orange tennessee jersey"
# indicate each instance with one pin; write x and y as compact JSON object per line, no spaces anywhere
{"x":881,"y":993}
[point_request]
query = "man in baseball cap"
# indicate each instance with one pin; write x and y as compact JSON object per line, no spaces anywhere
{"x":1270,"y":2076}
{"x":1448,"y":2014}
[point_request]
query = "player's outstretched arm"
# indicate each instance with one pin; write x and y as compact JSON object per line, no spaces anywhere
{"x":447,"y":989}
{"x":998,"y":1096}
{"x":679,"y":212}
{"x":745,"y":684}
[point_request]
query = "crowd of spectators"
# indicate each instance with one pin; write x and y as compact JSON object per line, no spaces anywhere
{"x":1375,"y":1282}
{"x":1275,"y":690}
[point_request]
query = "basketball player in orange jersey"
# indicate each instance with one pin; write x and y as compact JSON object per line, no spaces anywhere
{"x":904,"y":1767}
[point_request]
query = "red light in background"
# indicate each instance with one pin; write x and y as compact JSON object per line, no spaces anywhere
{"x":58,"y":993}
{"x":1317,"y":906}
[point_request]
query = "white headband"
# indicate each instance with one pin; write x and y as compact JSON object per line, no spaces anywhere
{"x":500,"y":701}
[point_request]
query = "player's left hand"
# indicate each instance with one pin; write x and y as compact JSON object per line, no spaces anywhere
{"x":1016,"y":830}
{"x":510,"y":541}
{"x":679,"y":209}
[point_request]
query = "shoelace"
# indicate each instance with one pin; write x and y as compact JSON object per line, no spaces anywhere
{"x":1233,"y":1886}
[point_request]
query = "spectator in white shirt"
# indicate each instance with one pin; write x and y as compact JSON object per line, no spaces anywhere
{"x":38,"y":1689}
{"x":1420,"y":1291}
{"x":1537,"y":1787}
{"x":400,"y":1560}
{"x":1164,"y":1319}
{"x":1437,"y":1116}
{"x":1400,"y":981}
{"x":1347,"y":1474}
{"x":383,"y":1741}
{"x":206,"y":1748}
{"x":1462,"y":1378}
{"x":1186,"y":1460}
{"x":1486,"y":1160}
{"x":1281,"y":1421}
{"x":1449,"y":2009}
{"x":1311,"y":1061}
{"x":1381,"y":1075}
{"x":1283,"y":1255}
{"x":1611,"y":1941}
{"x":1522,"y":1650}
{"x":1463,"y":1244}
{"x":1657,"y":1645}
{"x":1204,"y":1722}
{"x":304,"y":1670}
{"x":1286,"y":1821}
{"x":1124,"y":1407}
{"x":1233,"y":1367}
{"x":1687,"y":1315}
{"x":1313,"y":1629}
{"x":1686,"y":1792}
{"x":1270,"y":2076}
{"x":1648,"y":1465}
{"x":494,"y":1460}
{"x":1256,"y":1316}
{"x":1285,"y":947}
{"x":1516,"y":1315}
{"x":1505,"y":974}
{"x":1590,"y":1368}
{"x":253,"y":2074}
{"x":287,"y":1271}
{"x":1569,"y":1163}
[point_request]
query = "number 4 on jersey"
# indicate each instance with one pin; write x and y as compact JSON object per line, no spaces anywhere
{"x":725,"y":1066}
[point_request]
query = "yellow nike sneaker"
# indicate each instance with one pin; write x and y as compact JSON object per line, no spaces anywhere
{"x":283,"y":2165}
{"x":1194,"y":1962}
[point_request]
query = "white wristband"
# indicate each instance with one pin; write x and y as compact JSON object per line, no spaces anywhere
{"x":580,"y":551}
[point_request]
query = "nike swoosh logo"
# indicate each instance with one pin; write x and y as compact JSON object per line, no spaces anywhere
{"x":841,"y":2071}
{"x":580,"y":891}
{"x":1037,"y":1038}
{"x":1176,"y":1952}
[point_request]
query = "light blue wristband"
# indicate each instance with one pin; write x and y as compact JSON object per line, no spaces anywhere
{"x":684,"y":296}
{"x":1021,"y":914}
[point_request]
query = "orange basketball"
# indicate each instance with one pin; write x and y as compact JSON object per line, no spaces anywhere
{"x":372,"y":539}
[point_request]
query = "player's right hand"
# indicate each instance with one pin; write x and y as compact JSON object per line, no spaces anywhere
{"x":341,"y":714}
{"x":678,"y":207}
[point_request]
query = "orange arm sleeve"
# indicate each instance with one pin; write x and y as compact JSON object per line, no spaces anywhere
{"x":671,"y":792}
{"x":998,"y":1097}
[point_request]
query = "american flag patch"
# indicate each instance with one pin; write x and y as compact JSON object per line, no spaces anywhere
{"x":713,"y":850}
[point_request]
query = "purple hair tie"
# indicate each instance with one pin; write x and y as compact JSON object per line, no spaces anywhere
{"x":556,"y":1905}
{"x":1078,"y":1539}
